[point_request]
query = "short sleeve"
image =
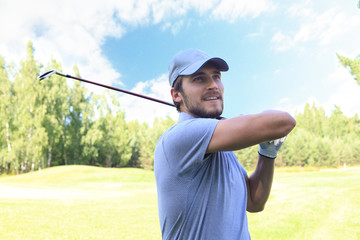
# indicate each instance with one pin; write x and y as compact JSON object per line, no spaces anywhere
{"x":186,"y":143}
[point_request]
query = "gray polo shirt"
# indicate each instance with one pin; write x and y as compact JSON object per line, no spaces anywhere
{"x":200,"y":196}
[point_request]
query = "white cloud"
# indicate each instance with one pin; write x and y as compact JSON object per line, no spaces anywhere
{"x":174,"y":27}
{"x":132,"y":12}
{"x":256,"y":34}
{"x":64,"y":30}
{"x":320,"y":34}
{"x":231,"y":10}
{"x":282,"y":42}
{"x":300,"y":9}
{"x":201,"y":5}
{"x":345,"y":93}
{"x":323,"y":28}
{"x":145,"y":110}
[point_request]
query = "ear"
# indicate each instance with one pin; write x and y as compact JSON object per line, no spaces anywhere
{"x":176,"y":95}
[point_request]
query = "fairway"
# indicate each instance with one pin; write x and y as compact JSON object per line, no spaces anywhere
{"x":81,"y":202}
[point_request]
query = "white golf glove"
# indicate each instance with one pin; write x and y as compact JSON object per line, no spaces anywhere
{"x":270,"y":149}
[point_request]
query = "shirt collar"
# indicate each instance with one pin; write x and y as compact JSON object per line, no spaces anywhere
{"x":185,"y":116}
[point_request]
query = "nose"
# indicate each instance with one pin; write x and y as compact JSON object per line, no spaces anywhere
{"x":213,"y":84}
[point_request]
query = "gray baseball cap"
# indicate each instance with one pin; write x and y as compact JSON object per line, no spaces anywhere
{"x":190,"y":61}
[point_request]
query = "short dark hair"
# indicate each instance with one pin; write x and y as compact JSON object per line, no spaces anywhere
{"x":178,"y":87}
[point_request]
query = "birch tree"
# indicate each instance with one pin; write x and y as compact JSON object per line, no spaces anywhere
{"x":6,"y":125}
{"x":30,"y":136}
{"x":56,"y":96}
{"x":78,"y":120}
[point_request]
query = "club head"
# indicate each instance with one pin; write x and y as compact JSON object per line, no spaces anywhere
{"x":47,"y":74}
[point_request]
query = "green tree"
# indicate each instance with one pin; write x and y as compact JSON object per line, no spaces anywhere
{"x":91,"y":142}
{"x":135,"y":144}
{"x":108,"y":141}
{"x":248,"y":156}
{"x":146,"y":144}
{"x":149,"y":137}
{"x":79,"y":120}
{"x":115,"y":146}
{"x":30,"y":137}
{"x":6,"y":126}
{"x":313,"y":119}
{"x":322,"y":154}
{"x":122,"y":140}
{"x":298,"y":149}
{"x":56,"y":96}
{"x":338,"y":124}
{"x":353,"y":65}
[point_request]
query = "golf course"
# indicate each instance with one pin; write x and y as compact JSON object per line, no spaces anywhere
{"x":83,"y":202}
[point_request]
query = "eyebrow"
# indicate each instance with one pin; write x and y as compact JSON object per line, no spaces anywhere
{"x":203,"y":73}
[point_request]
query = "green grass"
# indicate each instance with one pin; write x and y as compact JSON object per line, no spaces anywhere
{"x":311,"y":205}
{"x":81,"y":202}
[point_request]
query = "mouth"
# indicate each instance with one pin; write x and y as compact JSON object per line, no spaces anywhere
{"x":212,"y":98}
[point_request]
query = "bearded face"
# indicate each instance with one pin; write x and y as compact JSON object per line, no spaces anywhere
{"x":202,"y":93}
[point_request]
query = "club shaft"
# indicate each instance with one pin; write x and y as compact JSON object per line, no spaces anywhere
{"x":120,"y":90}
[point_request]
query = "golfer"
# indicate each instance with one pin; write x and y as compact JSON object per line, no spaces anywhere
{"x":203,"y":191}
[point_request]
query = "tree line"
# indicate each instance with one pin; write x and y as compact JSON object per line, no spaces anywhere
{"x":58,"y":123}
{"x":55,"y":123}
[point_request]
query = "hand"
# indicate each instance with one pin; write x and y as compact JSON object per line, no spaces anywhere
{"x":270,"y":149}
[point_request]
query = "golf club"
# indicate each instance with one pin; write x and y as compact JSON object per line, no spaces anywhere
{"x":49,"y":73}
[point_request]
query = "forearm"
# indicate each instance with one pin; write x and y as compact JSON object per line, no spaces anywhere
{"x":247,"y":130}
{"x":259,"y":184}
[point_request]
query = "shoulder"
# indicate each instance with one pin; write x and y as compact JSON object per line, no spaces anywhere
{"x":187,"y":134}
{"x":193,"y":126}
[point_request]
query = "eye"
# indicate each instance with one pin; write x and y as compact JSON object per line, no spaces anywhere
{"x":198,"y":79}
{"x":217,"y":77}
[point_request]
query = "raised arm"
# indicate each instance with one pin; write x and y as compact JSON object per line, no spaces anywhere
{"x":248,"y":130}
{"x":244,"y":131}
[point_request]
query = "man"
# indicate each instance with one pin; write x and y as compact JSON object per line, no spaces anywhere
{"x":203,"y":191}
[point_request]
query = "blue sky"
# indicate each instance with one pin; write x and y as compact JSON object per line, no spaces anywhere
{"x":281,"y":54}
